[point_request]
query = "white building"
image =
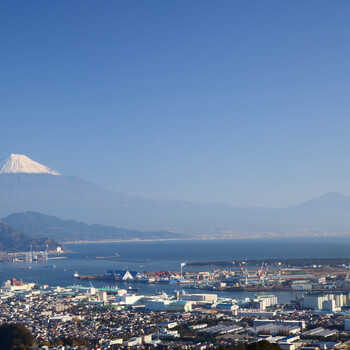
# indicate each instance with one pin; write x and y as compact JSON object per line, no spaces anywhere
{"x":129,"y":299}
{"x":313,"y":301}
{"x":264,"y":301}
{"x":200,"y":298}
{"x":115,"y":341}
{"x":13,"y":285}
{"x":329,"y":305}
{"x":102,"y":295}
{"x":301,"y":286}
{"x":321,"y":301}
{"x":168,"y":305}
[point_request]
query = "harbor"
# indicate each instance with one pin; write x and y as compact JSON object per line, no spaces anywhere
{"x":162,"y":270}
{"x":262,"y":278}
{"x":32,"y":255}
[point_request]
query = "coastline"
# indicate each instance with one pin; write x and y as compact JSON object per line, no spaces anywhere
{"x":213,"y":238}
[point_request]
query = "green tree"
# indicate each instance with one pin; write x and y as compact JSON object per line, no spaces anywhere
{"x":15,"y":336}
{"x":263,"y":345}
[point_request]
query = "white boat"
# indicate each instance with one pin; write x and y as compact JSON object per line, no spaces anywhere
{"x":76,"y":275}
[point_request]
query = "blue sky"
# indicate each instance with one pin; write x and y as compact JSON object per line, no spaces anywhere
{"x":240,"y":102}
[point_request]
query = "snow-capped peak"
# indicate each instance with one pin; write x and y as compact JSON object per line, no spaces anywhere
{"x":19,"y":163}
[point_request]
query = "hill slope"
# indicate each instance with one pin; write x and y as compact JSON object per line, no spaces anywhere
{"x":37,"y":225}
{"x":12,"y":240}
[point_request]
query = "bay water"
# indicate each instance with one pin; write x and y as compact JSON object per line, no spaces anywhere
{"x":167,"y":255}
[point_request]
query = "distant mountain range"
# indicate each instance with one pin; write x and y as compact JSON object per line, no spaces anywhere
{"x":12,"y":240}
{"x":38,"y":225}
{"x":26,"y":185}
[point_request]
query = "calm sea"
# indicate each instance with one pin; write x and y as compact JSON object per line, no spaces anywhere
{"x":156,"y":256}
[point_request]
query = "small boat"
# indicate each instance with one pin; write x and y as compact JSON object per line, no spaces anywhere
{"x":50,"y":266}
{"x":76,"y":275}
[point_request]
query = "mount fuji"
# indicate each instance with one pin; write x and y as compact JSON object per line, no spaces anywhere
{"x":26,"y":185}
{"x":21,"y":164}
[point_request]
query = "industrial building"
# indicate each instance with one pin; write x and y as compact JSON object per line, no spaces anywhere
{"x":261,"y":302}
{"x":325,"y":301}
